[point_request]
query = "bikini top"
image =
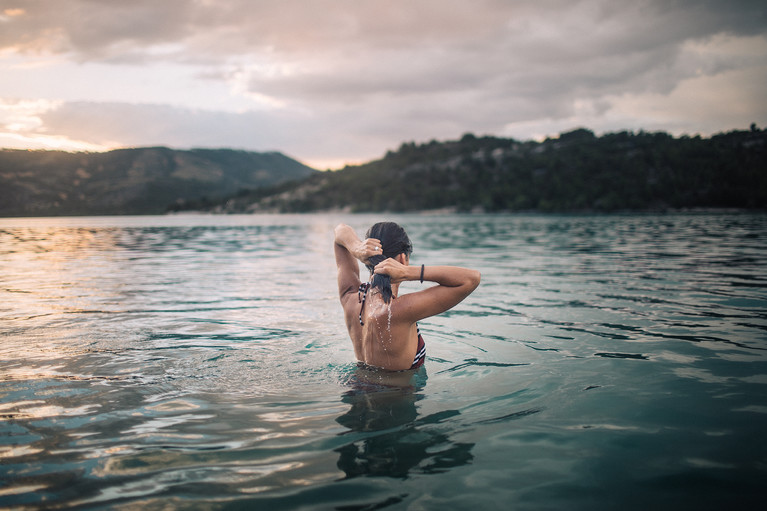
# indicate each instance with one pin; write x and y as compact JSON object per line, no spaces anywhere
{"x":362,"y":294}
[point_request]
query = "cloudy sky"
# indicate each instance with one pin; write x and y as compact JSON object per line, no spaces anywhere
{"x":331,"y":82}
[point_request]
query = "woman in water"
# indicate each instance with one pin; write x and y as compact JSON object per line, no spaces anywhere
{"x":383,"y":325}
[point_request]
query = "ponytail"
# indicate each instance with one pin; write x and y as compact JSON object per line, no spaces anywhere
{"x":382,"y":282}
{"x":394,"y":241}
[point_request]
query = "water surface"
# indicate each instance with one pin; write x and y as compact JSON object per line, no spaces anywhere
{"x":202,"y":362}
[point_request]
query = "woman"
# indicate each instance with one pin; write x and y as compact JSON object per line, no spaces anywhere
{"x":383,"y":325}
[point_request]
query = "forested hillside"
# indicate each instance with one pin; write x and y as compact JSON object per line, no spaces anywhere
{"x":575,"y":172}
{"x":132,"y":181}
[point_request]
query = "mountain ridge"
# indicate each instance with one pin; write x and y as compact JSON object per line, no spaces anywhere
{"x":146,"y":180}
{"x":574,"y":172}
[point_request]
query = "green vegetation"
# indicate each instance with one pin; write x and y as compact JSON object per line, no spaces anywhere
{"x":132,"y":181}
{"x":575,"y":172}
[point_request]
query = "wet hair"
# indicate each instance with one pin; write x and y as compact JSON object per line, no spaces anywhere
{"x":394,"y":241}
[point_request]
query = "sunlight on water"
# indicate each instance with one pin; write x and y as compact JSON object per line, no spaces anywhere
{"x":605,"y":361}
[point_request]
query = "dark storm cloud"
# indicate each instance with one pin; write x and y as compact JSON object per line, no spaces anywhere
{"x":545,"y":30}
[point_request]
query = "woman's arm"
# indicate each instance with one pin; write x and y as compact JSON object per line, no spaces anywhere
{"x":349,"y":249}
{"x":454,"y":284}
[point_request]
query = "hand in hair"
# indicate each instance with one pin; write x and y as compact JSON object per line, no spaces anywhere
{"x":366,"y":249}
{"x":362,"y":250}
{"x":397,"y":271}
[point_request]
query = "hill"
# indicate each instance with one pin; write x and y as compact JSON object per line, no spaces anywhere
{"x":132,"y":181}
{"x":577,"y":171}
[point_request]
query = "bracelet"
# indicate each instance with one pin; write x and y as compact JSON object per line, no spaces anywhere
{"x":421,"y":274}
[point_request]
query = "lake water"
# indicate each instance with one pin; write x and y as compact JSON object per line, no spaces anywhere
{"x":605,"y":362}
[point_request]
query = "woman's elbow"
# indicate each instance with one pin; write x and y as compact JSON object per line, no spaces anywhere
{"x":338,"y":232}
{"x":474,"y":279}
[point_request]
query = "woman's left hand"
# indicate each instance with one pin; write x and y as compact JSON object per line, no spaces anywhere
{"x":366,"y":249}
{"x":397,"y":271}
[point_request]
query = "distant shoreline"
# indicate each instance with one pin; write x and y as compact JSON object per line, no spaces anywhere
{"x":438,"y":212}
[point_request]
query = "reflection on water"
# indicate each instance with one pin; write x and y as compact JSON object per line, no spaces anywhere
{"x":398,"y":442}
{"x":197,"y":361}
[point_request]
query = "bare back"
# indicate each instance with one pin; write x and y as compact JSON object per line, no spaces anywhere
{"x":384,"y":339}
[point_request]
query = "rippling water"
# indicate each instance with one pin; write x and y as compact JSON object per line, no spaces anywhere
{"x":202,"y":362}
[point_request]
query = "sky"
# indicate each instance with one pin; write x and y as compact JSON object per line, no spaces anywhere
{"x":336,"y":82}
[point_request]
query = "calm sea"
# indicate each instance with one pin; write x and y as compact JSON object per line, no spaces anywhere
{"x":201,"y":362}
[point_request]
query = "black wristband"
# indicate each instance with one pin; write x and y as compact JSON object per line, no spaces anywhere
{"x":421,"y":274}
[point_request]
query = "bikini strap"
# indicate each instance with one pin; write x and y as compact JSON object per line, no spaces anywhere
{"x":362,"y":294}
